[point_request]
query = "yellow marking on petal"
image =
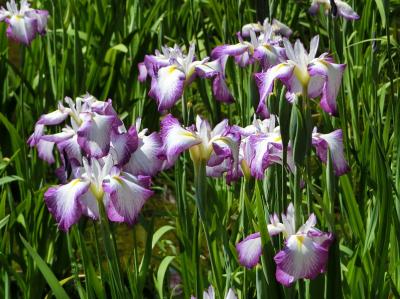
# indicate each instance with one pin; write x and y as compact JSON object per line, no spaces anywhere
{"x":302,"y":75}
{"x":300,"y":240}
{"x":278,"y":138}
{"x":75,"y":182}
{"x":171,"y":69}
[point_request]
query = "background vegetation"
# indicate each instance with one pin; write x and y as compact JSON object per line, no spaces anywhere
{"x":94,"y":46}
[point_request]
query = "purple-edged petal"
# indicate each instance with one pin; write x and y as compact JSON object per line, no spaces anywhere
{"x":333,"y":141}
{"x":124,"y":144}
{"x":145,"y":160}
{"x":71,"y":150}
{"x":94,"y":135}
{"x":63,"y":202}
{"x":221,"y":90}
{"x":265,"y":81}
{"x":89,"y":205}
{"x":41,"y":17}
{"x":301,"y":257}
{"x":54,"y":118}
{"x":175,"y":138}
{"x":249,"y":250}
{"x":142,"y":72}
{"x":346,"y":11}
{"x":128,"y":194}
{"x":21,"y":29}
{"x":167,"y":86}
{"x":45,"y":150}
{"x":231,"y":50}
{"x":333,"y":74}
{"x":37,"y":134}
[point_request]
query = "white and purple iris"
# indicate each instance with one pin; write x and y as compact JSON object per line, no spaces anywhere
{"x":23,"y":23}
{"x":278,"y":28}
{"x":219,"y":148}
{"x":342,"y":9}
{"x":303,"y":73}
{"x":261,"y":146}
{"x":304,"y":254}
{"x":170,"y":72}
{"x":264,"y":48}
{"x":99,"y":181}
{"x":102,"y":162}
{"x":334,"y":142}
{"x":94,"y":127}
{"x":210,"y":294}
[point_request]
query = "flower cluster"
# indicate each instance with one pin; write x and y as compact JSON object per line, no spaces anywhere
{"x":102,"y":162}
{"x":305,"y":252}
{"x":24,"y":23}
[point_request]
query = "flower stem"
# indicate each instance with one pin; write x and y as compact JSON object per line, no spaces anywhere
{"x":201,"y":193}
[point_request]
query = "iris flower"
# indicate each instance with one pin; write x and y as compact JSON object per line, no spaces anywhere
{"x":305,"y":252}
{"x":334,"y":142}
{"x":23,"y":23}
{"x":341,"y":9}
{"x":264,"y":48}
{"x":170,"y":72}
{"x":99,"y":181}
{"x":278,"y":28}
{"x":303,"y":73}
{"x":261,"y":146}
{"x":93,"y":129}
{"x":210,"y":294}
{"x":210,"y":146}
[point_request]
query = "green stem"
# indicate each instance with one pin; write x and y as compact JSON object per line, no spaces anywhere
{"x":201,"y":194}
{"x":111,"y":253}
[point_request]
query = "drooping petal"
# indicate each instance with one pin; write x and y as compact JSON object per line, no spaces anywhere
{"x":145,"y":160}
{"x":249,"y":250}
{"x":142,"y":72}
{"x":167,"y":86}
{"x":90,"y":205}
{"x":265,"y":81}
{"x":231,"y":50}
{"x":281,"y":29}
{"x":300,"y":258}
{"x":21,"y":29}
{"x":175,"y":138}
{"x":37,"y":134}
{"x":41,"y":17}
{"x":94,"y":135}
{"x":346,"y":11}
{"x":333,"y":74}
{"x":221,"y":90}
{"x":333,"y":141}
{"x":45,"y":150}
{"x":54,"y":118}
{"x":63,"y":202}
{"x":71,"y":150}
{"x":124,"y":144}
{"x":128,"y":194}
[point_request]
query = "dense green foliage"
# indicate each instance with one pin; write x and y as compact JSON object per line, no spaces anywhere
{"x":94,"y":46}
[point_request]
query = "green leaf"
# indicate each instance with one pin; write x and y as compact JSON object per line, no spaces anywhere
{"x":51,"y":279}
{"x":9,"y":179}
{"x":162,"y":269}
